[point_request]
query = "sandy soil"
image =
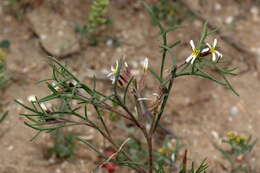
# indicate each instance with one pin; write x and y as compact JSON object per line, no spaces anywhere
{"x":198,"y":109}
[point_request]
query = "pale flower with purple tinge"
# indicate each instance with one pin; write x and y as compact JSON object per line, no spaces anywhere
{"x":213,"y":50}
{"x":145,"y":64}
{"x":31,"y":98}
{"x":114,"y":70}
{"x":44,"y":107}
{"x":195,"y":53}
{"x":56,"y":87}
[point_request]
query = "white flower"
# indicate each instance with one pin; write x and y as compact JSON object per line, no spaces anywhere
{"x":43,"y":106}
{"x":173,"y":157}
{"x":195,"y":53}
{"x":31,"y":98}
{"x":213,"y":50}
{"x":145,"y":64}
{"x":56,"y":87}
{"x":126,"y":65}
{"x":114,"y":70}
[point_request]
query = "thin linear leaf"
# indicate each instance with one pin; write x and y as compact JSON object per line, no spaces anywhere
{"x":86,"y":142}
{"x":3,"y":116}
{"x":126,"y":89}
{"x":155,"y":75}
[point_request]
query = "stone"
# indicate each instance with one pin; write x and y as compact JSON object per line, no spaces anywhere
{"x":229,"y":20}
{"x":56,"y":36}
{"x":234,"y":111}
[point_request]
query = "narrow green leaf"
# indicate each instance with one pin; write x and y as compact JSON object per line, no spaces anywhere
{"x":155,"y":75}
{"x":49,"y":97}
{"x":63,"y":67}
{"x":213,"y":31}
{"x":126,"y":89}
{"x":208,"y":76}
{"x":229,"y":85}
{"x":203,"y":35}
{"x":86,"y":142}
{"x":86,"y":112}
{"x":154,"y":18}
{"x":52,"y":88}
{"x":172,"y":28}
{"x":26,"y":107}
{"x":174,"y":44}
{"x":3,"y":116}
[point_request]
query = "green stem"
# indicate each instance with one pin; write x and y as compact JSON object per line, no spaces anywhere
{"x":164,"y":53}
{"x":165,"y":99}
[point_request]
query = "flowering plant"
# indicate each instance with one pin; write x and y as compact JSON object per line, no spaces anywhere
{"x":238,"y":154}
{"x":143,"y":113}
{"x":96,"y":19}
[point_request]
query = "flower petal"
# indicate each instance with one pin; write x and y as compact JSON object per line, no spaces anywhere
{"x":219,"y":54}
{"x":208,"y":45}
{"x":113,"y":79}
{"x":31,"y":98}
{"x":112,"y":68}
{"x":189,"y":59}
{"x":109,"y":74}
{"x":215,"y":42}
{"x":213,"y":56}
{"x":192,"y":45}
{"x":145,"y":64}
{"x":205,"y":50}
{"x":194,"y":58}
{"x":43,"y":106}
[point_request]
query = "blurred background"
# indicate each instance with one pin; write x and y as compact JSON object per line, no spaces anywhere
{"x":89,"y":40}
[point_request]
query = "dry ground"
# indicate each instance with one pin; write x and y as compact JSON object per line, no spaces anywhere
{"x":197,"y":108}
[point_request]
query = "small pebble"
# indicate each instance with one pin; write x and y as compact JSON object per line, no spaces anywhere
{"x":43,"y":37}
{"x":64,"y":164}
{"x":229,"y":19}
{"x":103,"y":54}
{"x":58,"y":171}
{"x":218,"y":7}
{"x":215,"y":134}
{"x":254,"y":10}
{"x":109,"y":42}
{"x":10,"y":148}
{"x":197,"y":23}
{"x":234,"y":111}
{"x":148,"y":126}
{"x":51,"y":160}
{"x":60,"y":33}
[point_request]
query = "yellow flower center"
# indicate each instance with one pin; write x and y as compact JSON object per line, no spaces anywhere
{"x":195,"y":53}
{"x":114,"y":71}
{"x":165,"y":151}
{"x":231,"y":135}
{"x":213,"y":50}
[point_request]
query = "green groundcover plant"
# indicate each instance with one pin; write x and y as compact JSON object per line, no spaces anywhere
{"x":238,"y":154}
{"x":96,"y":19}
{"x":129,"y":100}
